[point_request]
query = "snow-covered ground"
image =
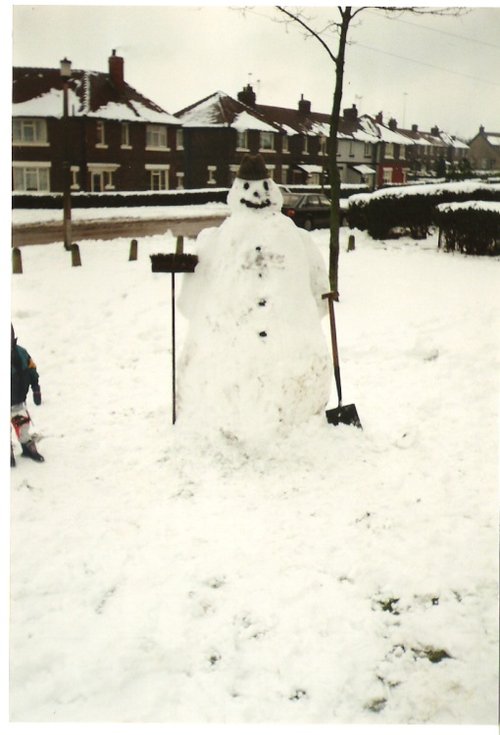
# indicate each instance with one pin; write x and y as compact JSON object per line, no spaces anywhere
{"x":337,"y":576}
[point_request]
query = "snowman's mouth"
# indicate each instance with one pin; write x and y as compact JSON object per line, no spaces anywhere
{"x":253,"y":205}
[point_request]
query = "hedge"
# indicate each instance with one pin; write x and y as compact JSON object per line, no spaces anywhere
{"x":411,"y":209}
{"x":471,"y":227}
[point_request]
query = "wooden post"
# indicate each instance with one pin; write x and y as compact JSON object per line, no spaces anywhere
{"x":133,"y":250}
{"x":351,"y":245}
{"x":174,"y":412}
{"x":75,"y":255}
{"x":17,"y":261}
{"x":179,"y":245}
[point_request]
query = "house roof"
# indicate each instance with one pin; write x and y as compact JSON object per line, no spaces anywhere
{"x":38,"y":92}
{"x":219,"y":110}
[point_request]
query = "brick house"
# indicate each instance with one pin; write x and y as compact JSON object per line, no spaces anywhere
{"x":485,"y":151}
{"x":218,"y":131}
{"x":430,"y":147}
{"x":115,"y":138}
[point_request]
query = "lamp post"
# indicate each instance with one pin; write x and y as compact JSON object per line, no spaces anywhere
{"x":65,"y":75}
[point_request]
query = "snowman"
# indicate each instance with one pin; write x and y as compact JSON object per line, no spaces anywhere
{"x":255,"y":360}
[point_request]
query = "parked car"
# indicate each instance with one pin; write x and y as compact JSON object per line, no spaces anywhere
{"x":307,"y":210}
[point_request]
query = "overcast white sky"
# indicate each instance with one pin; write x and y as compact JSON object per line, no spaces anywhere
{"x":427,"y":70}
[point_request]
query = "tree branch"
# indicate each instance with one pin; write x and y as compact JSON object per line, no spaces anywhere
{"x":299,"y":20}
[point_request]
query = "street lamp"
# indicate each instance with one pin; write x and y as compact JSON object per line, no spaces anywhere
{"x":65,"y":75}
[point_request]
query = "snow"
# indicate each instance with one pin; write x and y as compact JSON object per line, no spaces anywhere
{"x":483,"y":206}
{"x":161,"y":576}
{"x":50,"y":104}
{"x":457,"y":187}
{"x":244,"y":121}
{"x":33,"y":216}
{"x":493,"y":139}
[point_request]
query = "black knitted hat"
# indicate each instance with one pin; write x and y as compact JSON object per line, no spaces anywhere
{"x":252,"y":168}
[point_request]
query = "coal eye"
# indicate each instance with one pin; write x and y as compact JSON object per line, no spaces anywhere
{"x":246,"y":185}
{"x":266,"y":186}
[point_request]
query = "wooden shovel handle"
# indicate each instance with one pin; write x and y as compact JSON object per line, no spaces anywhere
{"x":331,"y":296}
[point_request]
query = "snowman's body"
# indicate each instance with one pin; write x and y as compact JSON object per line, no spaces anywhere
{"x":255,"y":356}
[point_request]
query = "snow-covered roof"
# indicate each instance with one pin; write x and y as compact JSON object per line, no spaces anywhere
{"x":39,"y":93}
{"x":493,"y":139}
{"x":220,"y":110}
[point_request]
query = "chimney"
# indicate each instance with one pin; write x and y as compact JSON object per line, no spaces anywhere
{"x":379,"y":118}
{"x":351,"y":114}
{"x":393,"y":124}
{"x":304,"y":106}
{"x":247,"y":96}
{"x":414,"y":128}
{"x":481,"y":129}
{"x":116,"y":70}
{"x":435,"y":130}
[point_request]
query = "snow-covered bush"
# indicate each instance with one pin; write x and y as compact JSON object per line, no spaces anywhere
{"x":411,"y":209}
{"x":471,"y":227}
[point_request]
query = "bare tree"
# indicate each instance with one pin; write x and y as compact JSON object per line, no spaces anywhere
{"x":342,"y":25}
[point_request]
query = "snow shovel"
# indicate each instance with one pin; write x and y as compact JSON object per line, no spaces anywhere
{"x":341,"y":414}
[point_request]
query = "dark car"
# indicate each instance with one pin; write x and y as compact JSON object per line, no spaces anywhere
{"x":307,"y":210}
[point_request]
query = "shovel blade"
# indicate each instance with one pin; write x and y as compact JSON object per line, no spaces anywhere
{"x":344,"y":415}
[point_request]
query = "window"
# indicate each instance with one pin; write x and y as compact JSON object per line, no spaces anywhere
{"x":367,"y":150}
{"x":30,"y":176}
{"x":212,"y":170}
{"x":179,"y":139}
{"x":387,"y":175}
{"x":158,"y":176}
{"x":242,"y":140}
{"x":305,"y":144}
{"x":402,"y":152}
{"x":156,"y":137}
{"x":29,"y":131}
{"x":126,"y":136}
{"x":266,"y":141}
{"x":323,"y":141}
{"x":75,"y":170}
{"x":180,"y":179}
{"x":389,"y":150}
{"x":284,"y":174}
{"x":284,"y":144}
{"x":101,"y":134}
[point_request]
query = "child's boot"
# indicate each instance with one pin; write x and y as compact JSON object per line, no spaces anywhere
{"x":30,"y":450}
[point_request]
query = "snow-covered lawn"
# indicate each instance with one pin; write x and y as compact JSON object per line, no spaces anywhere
{"x":337,"y":576}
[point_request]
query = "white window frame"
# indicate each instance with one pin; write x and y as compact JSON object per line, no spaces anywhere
{"x":156,"y":138}
{"x":29,"y":131}
{"x":125,"y":144}
{"x":305,"y":145}
{"x":101,"y":134}
{"x":389,"y":150}
{"x":367,"y":151}
{"x":40,"y":170}
{"x":211,"y":171}
{"x":266,"y":141}
{"x":242,"y":140}
{"x":179,"y":140}
{"x":285,"y":144}
{"x":179,"y":175}
{"x":387,"y":175}
{"x":75,"y":170}
{"x":284,"y":174}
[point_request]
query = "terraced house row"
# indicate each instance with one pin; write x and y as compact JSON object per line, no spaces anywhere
{"x":107,"y":136}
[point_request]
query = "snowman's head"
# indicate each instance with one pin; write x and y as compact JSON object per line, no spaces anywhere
{"x":253,"y":190}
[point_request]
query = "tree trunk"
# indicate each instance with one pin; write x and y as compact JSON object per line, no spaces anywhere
{"x":335,"y":218}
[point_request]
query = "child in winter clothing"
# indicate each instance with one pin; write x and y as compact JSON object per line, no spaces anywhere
{"x":23,"y":375}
